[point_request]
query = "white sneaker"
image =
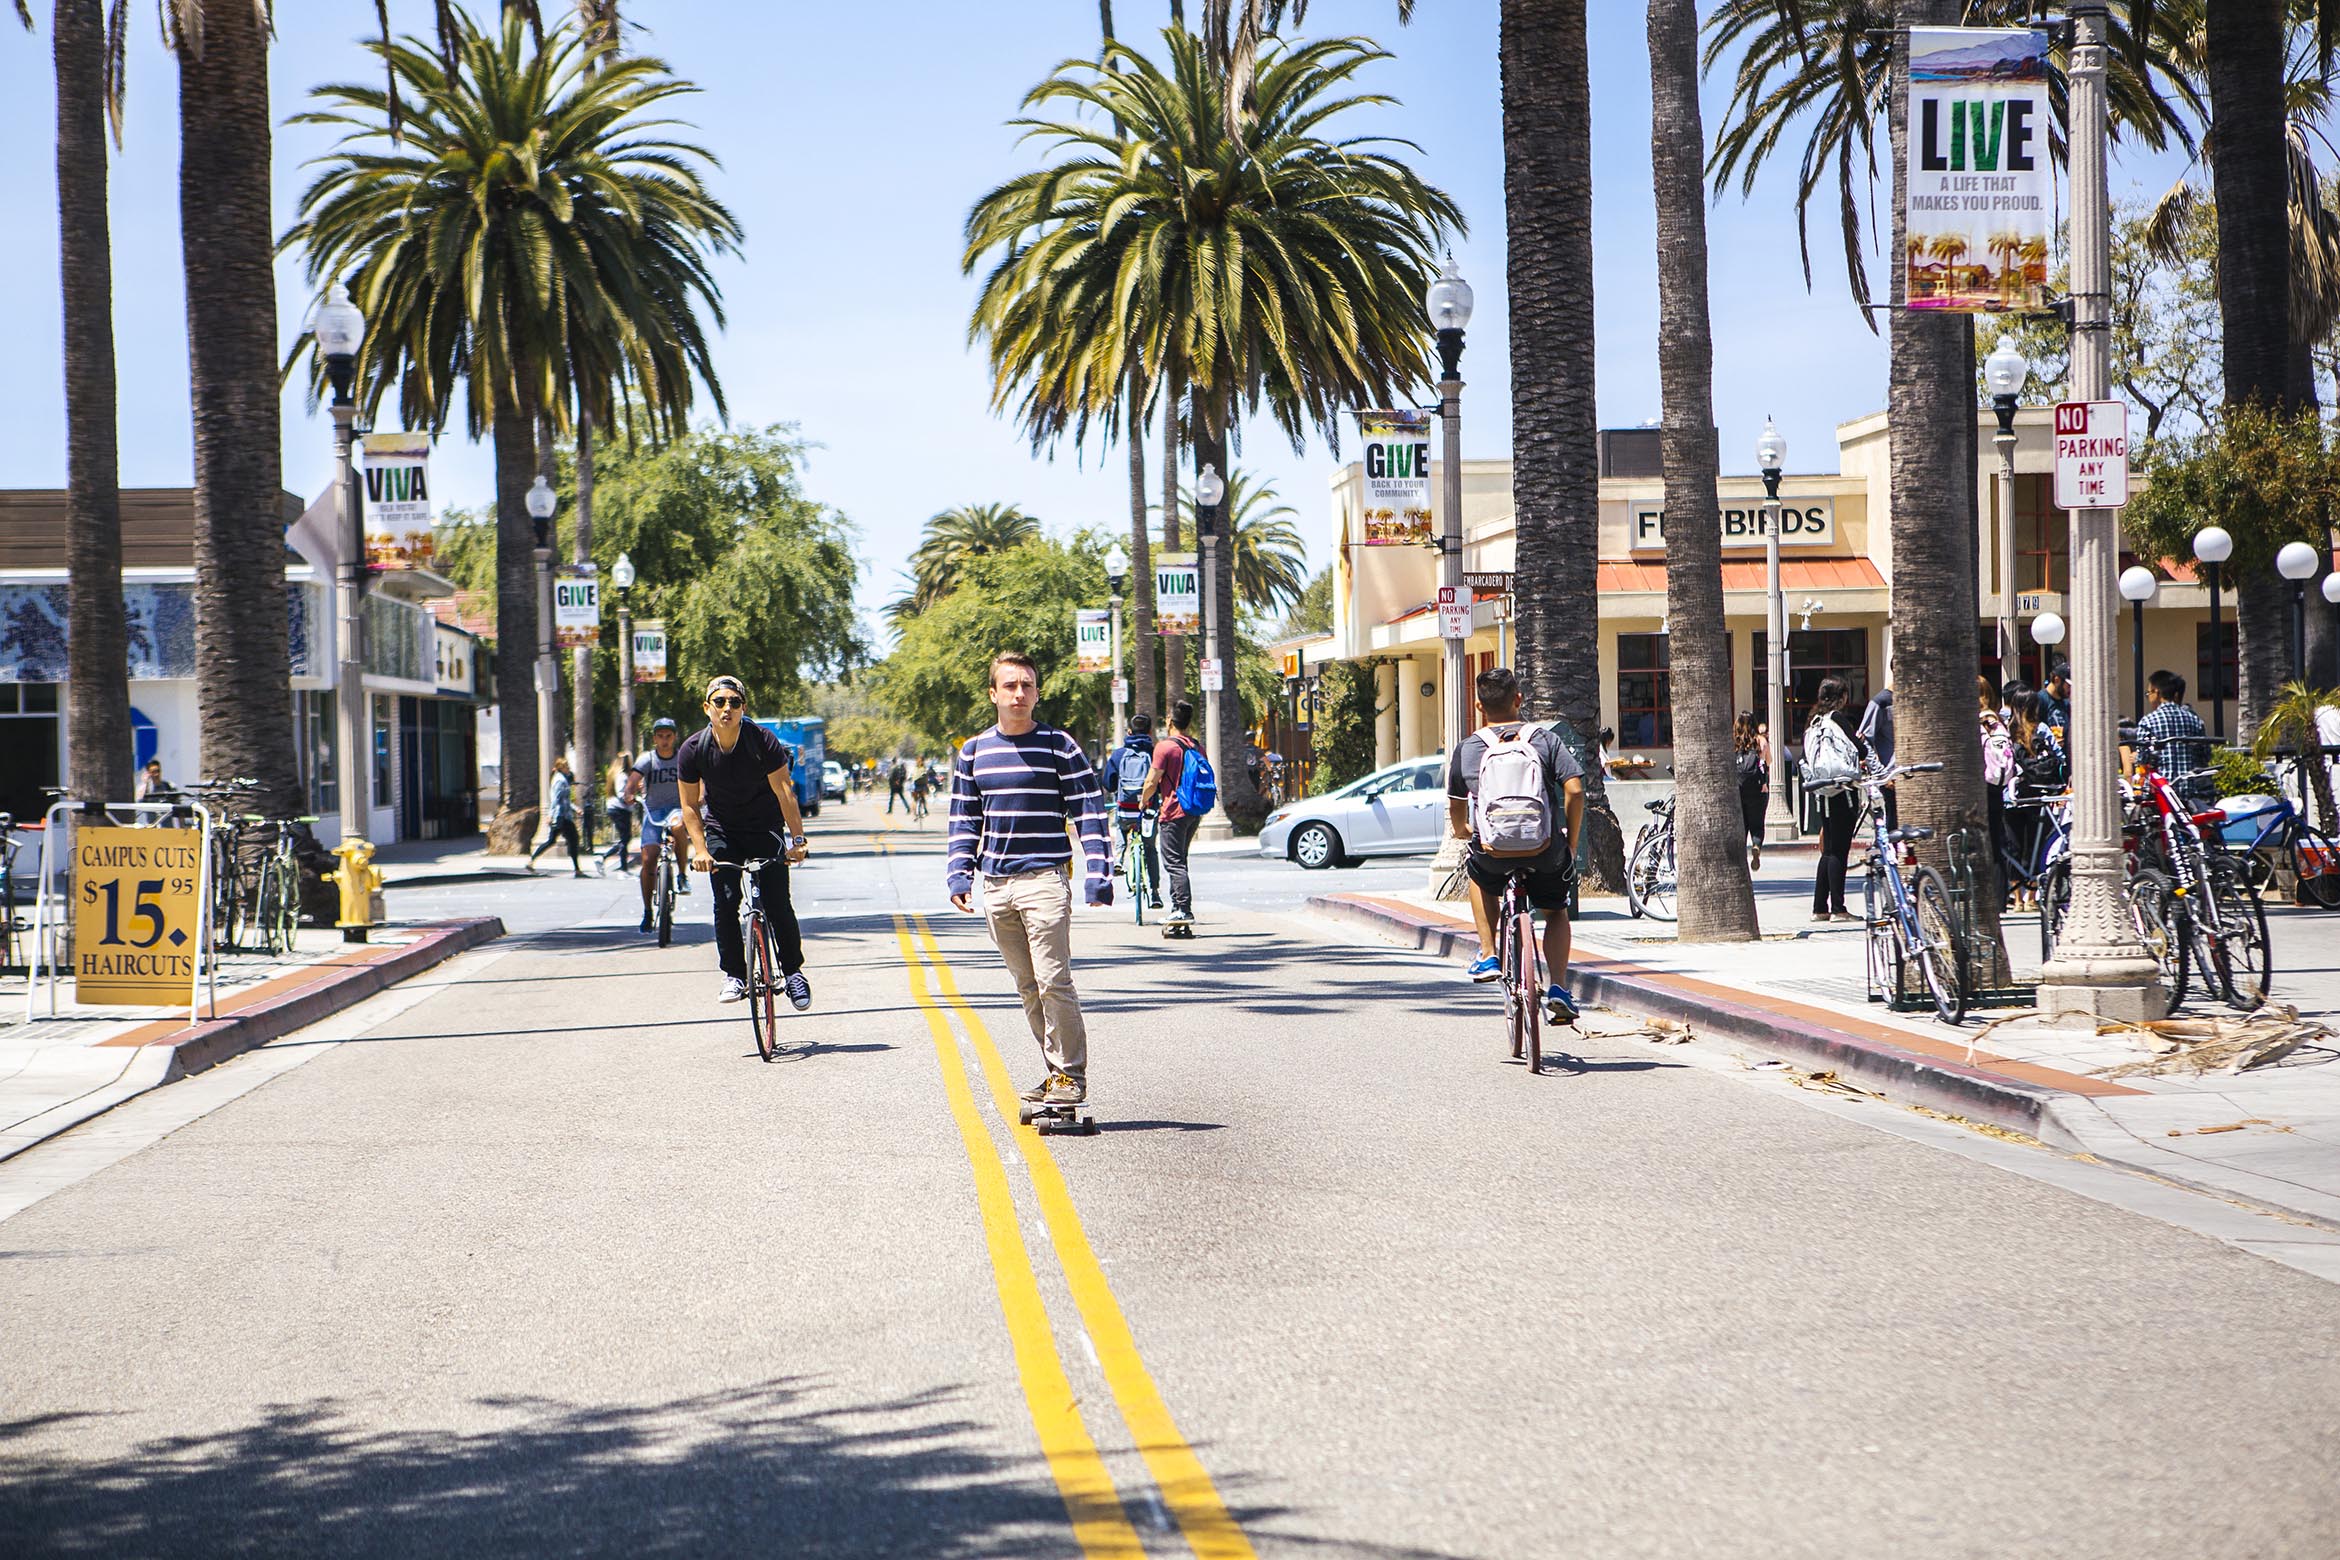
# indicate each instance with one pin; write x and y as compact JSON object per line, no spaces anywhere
{"x":734,"y":989}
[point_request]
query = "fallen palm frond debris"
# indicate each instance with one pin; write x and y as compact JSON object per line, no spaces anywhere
{"x":1830,"y":1083}
{"x":2224,"y":1043}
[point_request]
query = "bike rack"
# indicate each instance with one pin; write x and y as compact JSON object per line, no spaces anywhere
{"x":1970,"y":859}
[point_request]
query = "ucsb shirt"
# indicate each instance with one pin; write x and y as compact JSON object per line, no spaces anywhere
{"x":661,"y":783}
{"x":1010,"y":798}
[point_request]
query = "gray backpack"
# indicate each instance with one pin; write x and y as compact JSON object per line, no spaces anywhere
{"x":1511,"y":813}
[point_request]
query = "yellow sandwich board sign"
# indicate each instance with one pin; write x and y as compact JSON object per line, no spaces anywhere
{"x":137,"y":915}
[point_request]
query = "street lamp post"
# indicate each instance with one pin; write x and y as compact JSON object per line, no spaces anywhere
{"x":2297,"y":563}
{"x":621,"y":574}
{"x":2138,"y":586}
{"x":1117,"y":576}
{"x":2212,"y":547}
{"x":1779,"y":815}
{"x":541,"y":504}
{"x":2005,"y":370}
{"x":1209,"y":489}
{"x":1449,"y":306}
{"x":339,"y":328}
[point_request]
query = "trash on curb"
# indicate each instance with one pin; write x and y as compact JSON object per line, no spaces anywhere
{"x":2226,"y":1043}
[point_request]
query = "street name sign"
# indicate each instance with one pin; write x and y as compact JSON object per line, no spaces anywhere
{"x":1492,"y":582}
{"x":137,"y":924}
{"x":2092,"y":454}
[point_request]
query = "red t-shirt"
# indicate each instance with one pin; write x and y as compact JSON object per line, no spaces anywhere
{"x":1170,"y":763}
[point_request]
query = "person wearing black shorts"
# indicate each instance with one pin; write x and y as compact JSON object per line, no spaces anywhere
{"x":739,"y":774}
{"x":1548,"y":878}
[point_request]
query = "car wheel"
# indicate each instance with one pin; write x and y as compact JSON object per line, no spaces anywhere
{"x":1315,"y":846}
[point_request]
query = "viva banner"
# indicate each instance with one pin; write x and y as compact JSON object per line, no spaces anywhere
{"x":1980,"y":185}
{"x":577,"y":610}
{"x":1093,"y":633}
{"x":1397,"y":477}
{"x":396,"y":496}
{"x":1177,"y":594}
{"x":650,"y":650}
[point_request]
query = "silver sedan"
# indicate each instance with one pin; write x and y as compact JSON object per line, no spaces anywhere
{"x":1398,"y":811}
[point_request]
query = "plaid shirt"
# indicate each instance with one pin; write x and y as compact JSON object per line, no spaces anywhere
{"x":2179,"y":743}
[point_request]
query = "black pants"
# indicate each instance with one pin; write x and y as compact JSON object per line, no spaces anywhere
{"x":730,"y":947}
{"x":1177,"y":835}
{"x":1752,"y":801}
{"x":621,"y":823}
{"x":894,"y":794}
{"x":564,"y":829}
{"x":1838,"y":814}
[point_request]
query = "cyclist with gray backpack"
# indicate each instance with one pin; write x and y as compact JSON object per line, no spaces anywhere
{"x":1125,"y":771}
{"x":1188,"y":787}
{"x":1516,"y":793}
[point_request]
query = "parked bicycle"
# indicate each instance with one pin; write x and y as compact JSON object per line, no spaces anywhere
{"x":2277,"y":838}
{"x":275,"y":914}
{"x":2226,"y":921}
{"x":1911,"y":926}
{"x":231,"y":882}
{"x":1651,"y":871}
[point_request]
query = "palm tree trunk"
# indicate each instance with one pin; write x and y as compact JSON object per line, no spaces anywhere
{"x":581,"y":660}
{"x":523,"y":766}
{"x":1145,"y":692}
{"x":98,"y":761}
{"x":243,"y":659}
{"x":1935,"y":609}
{"x":1174,"y":685}
{"x":1238,"y":795}
{"x":1547,"y":183}
{"x":1710,"y":836}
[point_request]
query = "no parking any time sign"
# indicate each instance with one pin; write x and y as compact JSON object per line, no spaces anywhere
{"x":2092,"y":454}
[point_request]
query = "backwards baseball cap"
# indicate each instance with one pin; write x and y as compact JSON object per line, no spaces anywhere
{"x":664,"y":723}
{"x":726,"y":682}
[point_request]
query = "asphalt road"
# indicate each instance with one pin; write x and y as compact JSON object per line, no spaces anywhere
{"x":542,"y":1260}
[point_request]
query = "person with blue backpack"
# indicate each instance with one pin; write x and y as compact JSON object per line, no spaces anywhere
{"x":1126,"y":769}
{"x":1189,"y":788}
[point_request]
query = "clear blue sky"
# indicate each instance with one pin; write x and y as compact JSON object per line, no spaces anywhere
{"x":854,"y":137}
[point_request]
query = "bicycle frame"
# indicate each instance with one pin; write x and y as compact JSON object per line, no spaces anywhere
{"x":1888,"y":852}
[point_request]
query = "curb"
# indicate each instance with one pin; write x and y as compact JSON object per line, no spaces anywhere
{"x":1904,"y":1075}
{"x":444,"y":879}
{"x":192,"y":1048}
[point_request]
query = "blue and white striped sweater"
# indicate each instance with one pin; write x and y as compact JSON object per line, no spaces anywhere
{"x":1010,"y":798}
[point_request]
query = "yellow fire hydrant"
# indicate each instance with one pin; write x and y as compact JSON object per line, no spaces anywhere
{"x":361,"y":889}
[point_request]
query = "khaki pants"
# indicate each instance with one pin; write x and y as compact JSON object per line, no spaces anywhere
{"x":1029,"y":916}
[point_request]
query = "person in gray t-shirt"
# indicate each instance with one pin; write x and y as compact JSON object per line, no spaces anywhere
{"x":656,"y":783}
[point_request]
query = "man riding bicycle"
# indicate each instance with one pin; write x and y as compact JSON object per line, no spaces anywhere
{"x":655,"y":784}
{"x":739,"y":805}
{"x":1125,"y":771}
{"x":1532,"y":770}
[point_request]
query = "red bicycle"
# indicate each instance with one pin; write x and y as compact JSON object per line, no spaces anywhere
{"x":2225,"y":922}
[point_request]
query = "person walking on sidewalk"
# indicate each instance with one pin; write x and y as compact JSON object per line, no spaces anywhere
{"x":1531,"y":766}
{"x":1832,"y":762}
{"x":1752,"y":754}
{"x":1176,"y":758}
{"x":1013,"y":788}
{"x":734,"y":780}
{"x":897,"y":775}
{"x":561,"y":818}
{"x":1876,"y":740}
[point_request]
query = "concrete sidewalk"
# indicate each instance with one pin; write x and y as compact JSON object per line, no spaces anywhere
{"x":2269,"y":1136}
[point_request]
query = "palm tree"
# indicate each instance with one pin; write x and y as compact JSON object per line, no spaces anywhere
{"x":1278,"y":270}
{"x":1708,"y":827}
{"x":1270,"y":558}
{"x":952,"y":540}
{"x":1949,"y":248}
{"x":2008,"y":247}
{"x":2292,"y":722}
{"x":1555,"y":474}
{"x":536,"y":234}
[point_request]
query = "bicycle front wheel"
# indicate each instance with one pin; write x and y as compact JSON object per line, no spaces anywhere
{"x":1531,"y":989}
{"x":1133,"y":861}
{"x":763,"y":988}
{"x":2055,"y":901}
{"x":2315,"y":859}
{"x":270,"y":913}
{"x":2246,"y":964}
{"x":2161,"y":923}
{"x":1633,"y":871}
{"x":665,"y":897}
{"x":1940,"y":955}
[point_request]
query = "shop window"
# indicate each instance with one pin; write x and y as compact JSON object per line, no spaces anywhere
{"x":385,"y":736}
{"x":29,"y":757}
{"x":1815,"y":655}
{"x":2043,"y":537}
{"x":1645,"y":694}
{"x":314,"y":718}
{"x":2214,"y":676}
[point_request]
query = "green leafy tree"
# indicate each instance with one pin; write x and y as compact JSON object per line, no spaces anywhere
{"x":951,"y":541}
{"x":1023,"y":599}
{"x":1343,"y":735}
{"x":1313,"y":612}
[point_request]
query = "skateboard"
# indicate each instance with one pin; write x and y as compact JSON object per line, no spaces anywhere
{"x":1177,"y":928}
{"x":1057,"y":1118}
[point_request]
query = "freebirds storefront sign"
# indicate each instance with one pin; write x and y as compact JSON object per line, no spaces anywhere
{"x":1803,"y":522}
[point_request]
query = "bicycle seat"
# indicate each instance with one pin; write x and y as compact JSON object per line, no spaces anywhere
{"x":1916,"y":831}
{"x":1662,"y":804}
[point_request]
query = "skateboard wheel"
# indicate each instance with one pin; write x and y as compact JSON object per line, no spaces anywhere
{"x":1024,"y":1115}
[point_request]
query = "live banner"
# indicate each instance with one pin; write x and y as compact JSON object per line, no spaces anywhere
{"x":137,"y":915}
{"x":395,"y":494}
{"x":1093,"y":640}
{"x":577,"y":610}
{"x":1177,"y":594}
{"x":650,"y":650}
{"x":1981,"y":189}
{"x":1397,"y":477}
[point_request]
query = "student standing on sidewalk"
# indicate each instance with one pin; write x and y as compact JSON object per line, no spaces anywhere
{"x":1832,"y":761}
{"x":1013,"y":788}
{"x":1176,"y":828}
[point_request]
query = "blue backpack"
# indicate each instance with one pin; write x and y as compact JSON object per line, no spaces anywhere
{"x":1198,"y":783}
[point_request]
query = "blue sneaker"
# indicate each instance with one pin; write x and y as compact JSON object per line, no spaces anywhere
{"x":1487,"y":969}
{"x":1557,"y":1006}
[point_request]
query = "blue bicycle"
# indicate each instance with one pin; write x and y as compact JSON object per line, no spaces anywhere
{"x":1911,"y":926}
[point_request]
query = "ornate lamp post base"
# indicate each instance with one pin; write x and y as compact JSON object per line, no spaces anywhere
{"x":1449,"y":857}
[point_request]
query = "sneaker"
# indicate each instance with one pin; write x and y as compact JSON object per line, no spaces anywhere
{"x":1180,"y":918}
{"x":1154,"y":902}
{"x":1064,"y":1089}
{"x":798,"y":988}
{"x":682,"y":883}
{"x":1039,"y":1091}
{"x":1487,"y":969}
{"x":1557,"y":1006}
{"x":645,"y":920}
{"x":734,"y":989}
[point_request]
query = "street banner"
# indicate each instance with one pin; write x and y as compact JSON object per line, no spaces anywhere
{"x":1093,"y":640}
{"x":137,"y":915}
{"x":395,"y":493}
{"x":1213,"y":680}
{"x":2092,"y":454}
{"x":1177,"y":594}
{"x":650,"y":650}
{"x":576,"y":609}
{"x":1397,"y":477}
{"x":1454,"y":612}
{"x":1980,"y":182}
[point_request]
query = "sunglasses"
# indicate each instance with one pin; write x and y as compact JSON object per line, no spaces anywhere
{"x":727,"y":703}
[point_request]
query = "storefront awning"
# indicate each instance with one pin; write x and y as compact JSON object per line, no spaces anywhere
{"x":1794,"y":574}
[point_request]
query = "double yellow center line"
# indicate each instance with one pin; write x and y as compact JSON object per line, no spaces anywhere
{"x":1099,"y":1522}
